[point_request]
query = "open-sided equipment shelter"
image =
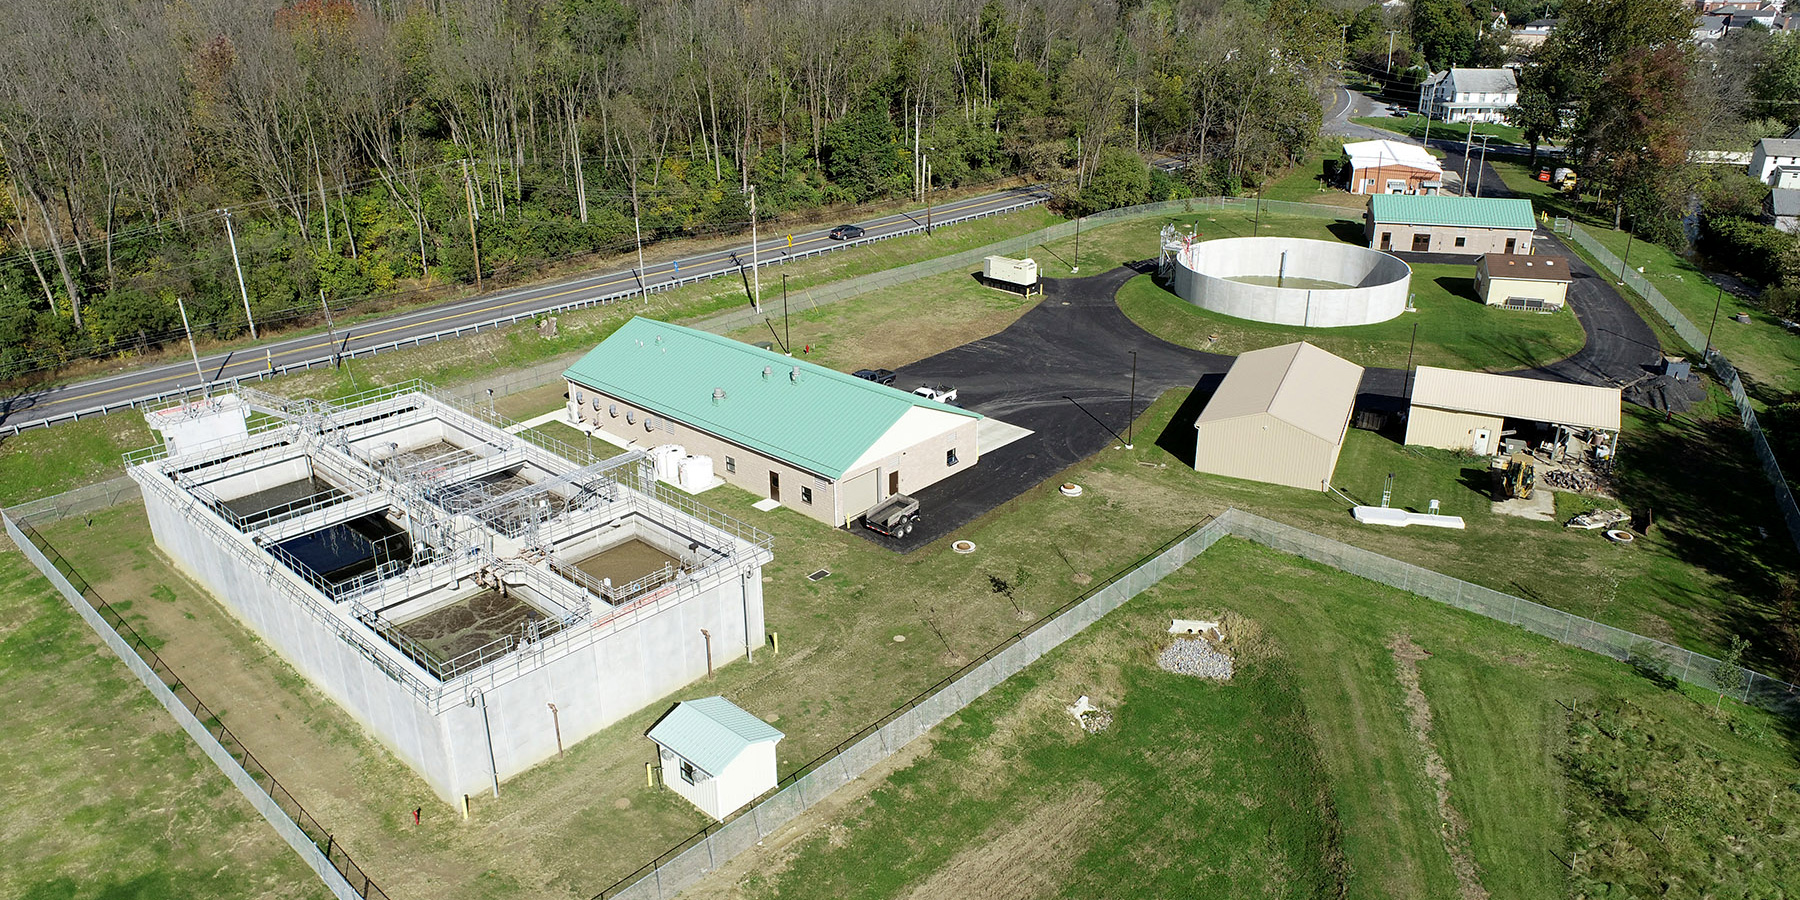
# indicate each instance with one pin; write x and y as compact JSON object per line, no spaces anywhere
{"x":1278,"y":417}
{"x":1476,"y":411}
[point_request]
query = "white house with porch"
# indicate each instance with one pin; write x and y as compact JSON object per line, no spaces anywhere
{"x":715,"y":754}
{"x":1469,"y":95}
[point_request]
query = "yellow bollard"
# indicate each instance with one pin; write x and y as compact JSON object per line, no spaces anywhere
{"x":649,"y":775}
{"x":775,"y":638}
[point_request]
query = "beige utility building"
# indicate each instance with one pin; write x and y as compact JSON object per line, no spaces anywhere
{"x":1477,"y":412}
{"x":1279,"y":417}
{"x":822,"y":442}
{"x":1523,"y":282}
{"x":1464,"y":226}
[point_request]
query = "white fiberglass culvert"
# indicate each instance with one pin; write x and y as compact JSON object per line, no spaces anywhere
{"x":1291,"y":281}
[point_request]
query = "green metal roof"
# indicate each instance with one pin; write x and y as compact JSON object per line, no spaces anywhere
{"x":1465,"y":212}
{"x":710,"y":732}
{"x":806,"y":415}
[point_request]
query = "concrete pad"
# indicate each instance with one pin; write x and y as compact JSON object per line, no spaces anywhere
{"x":555,"y":415}
{"x":992,"y":434}
{"x":765,"y":505}
{"x":1540,"y":507}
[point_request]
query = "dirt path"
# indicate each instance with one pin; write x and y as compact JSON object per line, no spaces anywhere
{"x":1407,"y":656}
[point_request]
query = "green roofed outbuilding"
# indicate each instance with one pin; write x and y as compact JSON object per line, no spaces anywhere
{"x":715,"y":754}
{"x":823,"y":442}
{"x":1467,"y":226}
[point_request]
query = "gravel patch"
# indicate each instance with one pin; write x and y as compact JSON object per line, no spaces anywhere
{"x":1197,"y":658}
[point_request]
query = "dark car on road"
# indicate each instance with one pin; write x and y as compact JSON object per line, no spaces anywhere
{"x":846,"y":232}
{"x":879,"y":376}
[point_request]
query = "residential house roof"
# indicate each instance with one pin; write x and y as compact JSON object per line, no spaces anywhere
{"x":1366,"y":154}
{"x":1297,"y":383}
{"x":710,"y":732}
{"x":1465,"y":212}
{"x":1784,"y":203}
{"x":1515,"y":397}
{"x":1526,"y":268}
{"x":1779,"y":146}
{"x":1483,"y":81}
{"x":814,"y":418}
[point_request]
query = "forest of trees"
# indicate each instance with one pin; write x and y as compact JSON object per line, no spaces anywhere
{"x":348,"y":139}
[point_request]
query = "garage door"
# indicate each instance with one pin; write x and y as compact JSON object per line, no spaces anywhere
{"x":859,"y":494}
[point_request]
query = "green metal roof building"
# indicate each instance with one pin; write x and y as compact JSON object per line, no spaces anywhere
{"x":715,"y":754}
{"x":1466,"y":226}
{"x":817,"y":440}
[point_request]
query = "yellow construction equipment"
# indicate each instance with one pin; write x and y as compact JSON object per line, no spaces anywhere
{"x":1518,"y":478}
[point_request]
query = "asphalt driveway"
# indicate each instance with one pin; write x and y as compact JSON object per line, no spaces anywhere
{"x":1075,"y":344}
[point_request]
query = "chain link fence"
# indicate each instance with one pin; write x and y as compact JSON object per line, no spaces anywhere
{"x":1721,"y":367}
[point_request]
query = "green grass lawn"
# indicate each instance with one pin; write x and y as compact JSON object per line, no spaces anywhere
{"x":1454,"y":328}
{"x":109,"y":798}
{"x":1305,"y":775}
{"x":1413,"y":126}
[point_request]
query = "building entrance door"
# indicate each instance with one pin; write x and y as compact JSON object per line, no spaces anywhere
{"x":893,"y":483}
{"x":775,"y":486}
{"x":1482,"y":437}
{"x":1421,"y":243}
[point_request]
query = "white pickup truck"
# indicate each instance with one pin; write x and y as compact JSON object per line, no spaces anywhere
{"x":942,"y":393}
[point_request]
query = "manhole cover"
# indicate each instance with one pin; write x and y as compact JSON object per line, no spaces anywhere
{"x":818,"y":575}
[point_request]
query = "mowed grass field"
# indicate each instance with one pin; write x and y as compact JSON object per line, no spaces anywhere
{"x":1371,"y":744}
{"x":106,"y":797}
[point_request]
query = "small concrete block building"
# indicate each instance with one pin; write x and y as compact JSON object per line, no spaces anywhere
{"x":715,"y":754}
{"x":822,"y":442}
{"x":1476,"y":412}
{"x":1468,"y":226}
{"x":1523,"y":282}
{"x":1390,"y":167}
{"x":1279,"y":417}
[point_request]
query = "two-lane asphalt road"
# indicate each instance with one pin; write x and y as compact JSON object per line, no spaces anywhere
{"x":36,"y":408}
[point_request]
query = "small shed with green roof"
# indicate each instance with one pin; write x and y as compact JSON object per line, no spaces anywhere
{"x":1465,"y":226}
{"x":819,"y":441}
{"x":715,"y":754}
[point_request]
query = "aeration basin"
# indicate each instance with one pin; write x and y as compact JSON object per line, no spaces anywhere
{"x":1292,"y":281}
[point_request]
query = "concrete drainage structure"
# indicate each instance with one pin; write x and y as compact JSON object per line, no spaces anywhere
{"x":445,"y":582}
{"x":1375,"y":285}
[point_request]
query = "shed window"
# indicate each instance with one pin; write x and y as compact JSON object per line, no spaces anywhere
{"x":731,"y":464}
{"x":687,"y":771}
{"x":806,"y":495}
{"x":950,"y":457}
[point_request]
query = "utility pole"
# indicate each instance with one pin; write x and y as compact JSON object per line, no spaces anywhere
{"x":755,"y":272}
{"x":1409,"y":359}
{"x":469,"y":191}
{"x":1468,"y":146}
{"x":1390,"y":56}
{"x":788,"y":340}
{"x":638,"y":227}
{"x":1481,"y":168}
{"x":926,"y":187}
{"x":1076,"y":267}
{"x":190,"y":336}
{"x":244,"y":291}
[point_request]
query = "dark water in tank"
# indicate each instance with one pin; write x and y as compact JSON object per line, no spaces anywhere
{"x":349,"y":549}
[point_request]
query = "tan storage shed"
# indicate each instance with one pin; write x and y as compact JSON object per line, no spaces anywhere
{"x":1535,"y":283}
{"x":1279,"y":417}
{"x":1458,"y":410}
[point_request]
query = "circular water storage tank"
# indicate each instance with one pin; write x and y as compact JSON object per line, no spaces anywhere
{"x":1292,"y":281}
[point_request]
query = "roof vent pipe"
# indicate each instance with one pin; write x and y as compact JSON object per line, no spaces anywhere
{"x":767,"y":371}
{"x":718,"y":394}
{"x":794,"y":376}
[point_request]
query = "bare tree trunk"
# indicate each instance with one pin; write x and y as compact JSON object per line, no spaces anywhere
{"x":62,"y":262}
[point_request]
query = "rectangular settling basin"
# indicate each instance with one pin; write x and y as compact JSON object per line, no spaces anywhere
{"x":347,"y":550}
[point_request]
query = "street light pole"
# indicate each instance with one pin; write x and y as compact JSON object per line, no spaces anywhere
{"x":927,"y":188}
{"x":1706,"y":354}
{"x":788,"y":340}
{"x":1131,"y":411}
{"x":637,"y":226}
{"x":1623,"y":263}
{"x":242,"y":290}
{"x":1390,"y":56}
{"x":190,"y":336}
{"x":1481,"y":167}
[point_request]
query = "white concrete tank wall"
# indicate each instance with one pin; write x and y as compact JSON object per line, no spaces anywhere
{"x":1380,"y":282}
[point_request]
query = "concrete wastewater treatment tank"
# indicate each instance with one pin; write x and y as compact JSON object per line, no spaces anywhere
{"x":1290,"y":281}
